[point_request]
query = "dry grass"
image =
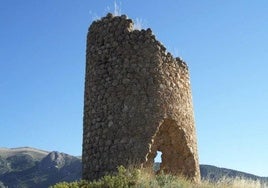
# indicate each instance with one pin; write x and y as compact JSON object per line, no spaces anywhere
{"x":149,"y":179}
{"x":237,"y":183}
{"x":145,"y":178}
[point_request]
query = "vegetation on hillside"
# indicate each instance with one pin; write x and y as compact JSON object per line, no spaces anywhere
{"x":25,"y":168}
{"x":136,"y":178}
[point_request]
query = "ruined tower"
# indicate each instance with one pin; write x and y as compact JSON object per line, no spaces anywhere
{"x":137,"y":101}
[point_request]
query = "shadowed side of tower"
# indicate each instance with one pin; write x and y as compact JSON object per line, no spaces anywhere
{"x":137,"y":101}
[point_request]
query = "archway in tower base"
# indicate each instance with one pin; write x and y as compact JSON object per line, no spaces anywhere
{"x":177,"y":157}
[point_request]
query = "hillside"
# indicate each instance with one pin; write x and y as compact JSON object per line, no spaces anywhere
{"x":213,"y":173}
{"x":29,"y":167}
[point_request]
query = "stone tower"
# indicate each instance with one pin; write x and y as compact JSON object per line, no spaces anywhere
{"x":137,"y":101}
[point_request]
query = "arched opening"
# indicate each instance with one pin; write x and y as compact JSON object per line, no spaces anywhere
{"x":176,"y":155}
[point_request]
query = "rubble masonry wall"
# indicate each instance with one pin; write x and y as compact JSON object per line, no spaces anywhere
{"x":137,"y":101}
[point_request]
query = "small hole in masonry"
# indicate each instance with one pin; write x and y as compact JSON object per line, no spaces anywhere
{"x":157,"y":161}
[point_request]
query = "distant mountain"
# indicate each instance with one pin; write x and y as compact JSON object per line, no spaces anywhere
{"x":213,"y":173}
{"x":30,"y":168}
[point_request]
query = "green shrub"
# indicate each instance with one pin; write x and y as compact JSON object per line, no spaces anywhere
{"x":123,"y":179}
{"x":76,"y":184}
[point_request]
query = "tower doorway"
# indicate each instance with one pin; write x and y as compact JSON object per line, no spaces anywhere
{"x":170,"y":143}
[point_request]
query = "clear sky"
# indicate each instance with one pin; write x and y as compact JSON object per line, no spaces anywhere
{"x":225,"y":43}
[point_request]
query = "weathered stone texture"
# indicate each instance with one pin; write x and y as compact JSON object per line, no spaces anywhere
{"x":137,"y":101}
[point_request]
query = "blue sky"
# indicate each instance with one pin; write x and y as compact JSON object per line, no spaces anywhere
{"x":225,"y":43}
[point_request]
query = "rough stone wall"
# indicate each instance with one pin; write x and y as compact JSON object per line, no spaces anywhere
{"x":137,"y":101}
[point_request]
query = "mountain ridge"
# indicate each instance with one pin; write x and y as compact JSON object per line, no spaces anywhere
{"x":26,"y":168}
{"x":38,"y":153}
